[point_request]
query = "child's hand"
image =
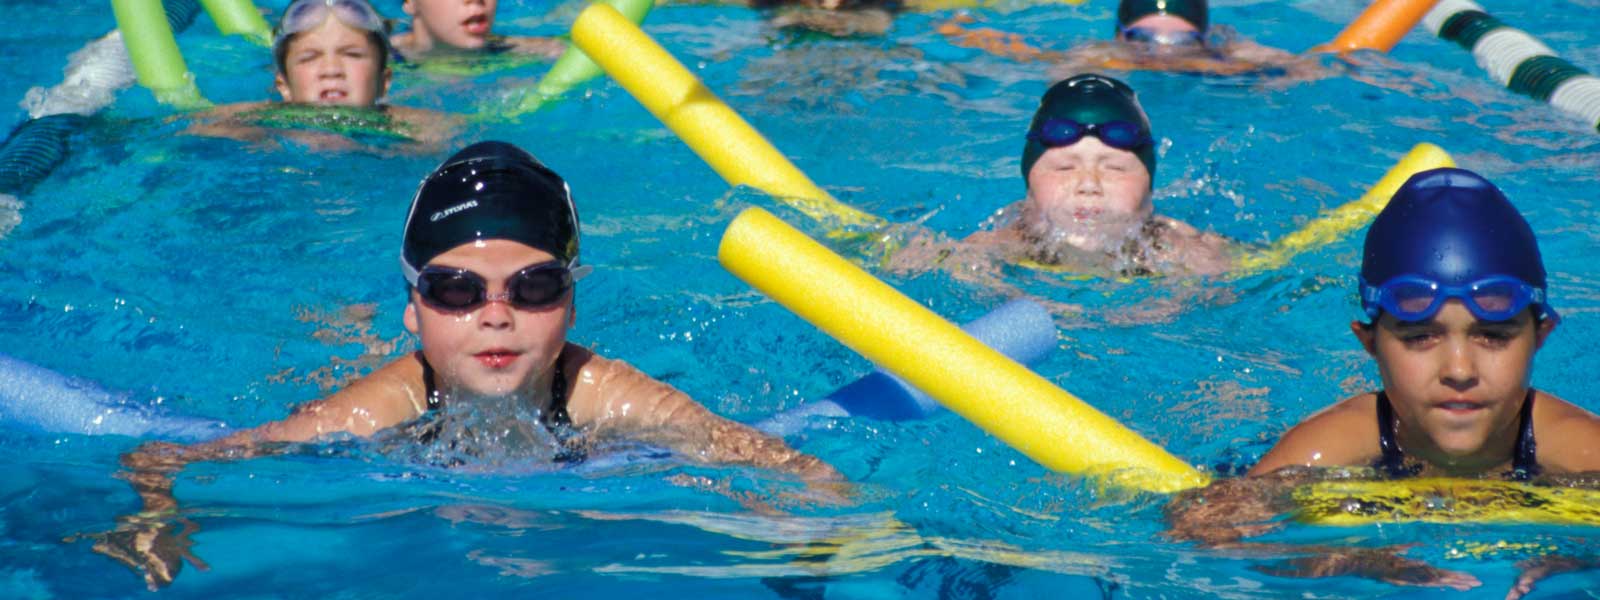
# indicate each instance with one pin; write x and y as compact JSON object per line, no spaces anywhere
{"x":1382,"y":564}
{"x":152,"y":547}
{"x":1535,"y":569}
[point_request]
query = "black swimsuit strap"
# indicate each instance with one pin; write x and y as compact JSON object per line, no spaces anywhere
{"x":428,"y":388}
{"x":1392,"y":463}
{"x":1525,"y":455}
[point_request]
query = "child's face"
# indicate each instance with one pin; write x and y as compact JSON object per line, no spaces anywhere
{"x":1456,"y":382}
{"x":456,"y":23}
{"x":333,"y":64}
{"x":495,"y":349}
{"x":1077,"y":186}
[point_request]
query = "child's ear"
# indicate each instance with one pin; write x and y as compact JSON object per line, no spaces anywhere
{"x":282,"y":84}
{"x":1367,"y":335}
{"x":410,"y":318}
{"x":1545,"y":327}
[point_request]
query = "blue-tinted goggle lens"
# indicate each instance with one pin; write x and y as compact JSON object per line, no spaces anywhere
{"x":1162,"y":38}
{"x":1418,"y":299}
{"x":1122,"y":135}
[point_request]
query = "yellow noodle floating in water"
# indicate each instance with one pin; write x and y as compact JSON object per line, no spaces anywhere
{"x":1439,"y":500}
{"x":1339,"y":222}
{"x":1016,"y":405}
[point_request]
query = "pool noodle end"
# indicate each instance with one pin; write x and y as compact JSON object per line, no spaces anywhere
{"x":1348,"y":217}
{"x":239,"y":17}
{"x":153,"y":50}
{"x":1380,"y":26}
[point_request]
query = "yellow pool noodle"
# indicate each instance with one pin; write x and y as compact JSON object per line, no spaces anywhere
{"x":154,"y":53}
{"x":713,"y":130}
{"x":901,"y":336}
{"x":1339,"y":222}
{"x":1440,"y":500}
{"x":239,"y":17}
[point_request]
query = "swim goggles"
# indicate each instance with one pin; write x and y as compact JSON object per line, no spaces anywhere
{"x":1161,"y":38}
{"x":303,"y":15}
{"x":533,"y":288}
{"x":1414,"y":298}
{"x":1122,"y":135}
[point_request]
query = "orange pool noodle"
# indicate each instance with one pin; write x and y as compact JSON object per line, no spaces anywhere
{"x":1381,"y":26}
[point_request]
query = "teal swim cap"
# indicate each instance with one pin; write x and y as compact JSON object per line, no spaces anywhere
{"x":1194,"y":11}
{"x":1089,"y":99}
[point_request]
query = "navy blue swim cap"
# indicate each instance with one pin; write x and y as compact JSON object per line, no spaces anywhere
{"x":1453,"y":227}
{"x":1090,"y":99}
{"x":1194,"y":11}
{"x":489,"y":190}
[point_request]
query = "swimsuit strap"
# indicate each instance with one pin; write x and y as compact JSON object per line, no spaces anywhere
{"x":558,"y":399}
{"x":1393,"y":461}
{"x":1524,"y":457}
{"x":428,"y":389}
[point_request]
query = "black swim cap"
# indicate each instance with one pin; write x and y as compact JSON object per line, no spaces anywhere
{"x":1454,"y":227}
{"x":1090,"y":99}
{"x":490,"y":190}
{"x":1193,"y":11}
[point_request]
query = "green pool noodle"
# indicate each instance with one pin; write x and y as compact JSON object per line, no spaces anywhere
{"x":574,"y":67}
{"x":154,"y":53}
{"x":239,"y":17}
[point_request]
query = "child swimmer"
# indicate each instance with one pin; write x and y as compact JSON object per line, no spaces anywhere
{"x":1088,"y":163}
{"x":332,"y":72}
{"x":1455,"y":288}
{"x":1151,"y":35}
{"x":463,"y":26}
{"x":490,"y":256}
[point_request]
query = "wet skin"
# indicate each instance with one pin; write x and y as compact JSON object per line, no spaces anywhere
{"x":333,"y":64}
{"x":494,"y":350}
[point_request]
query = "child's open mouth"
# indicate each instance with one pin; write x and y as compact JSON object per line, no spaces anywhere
{"x":477,"y":25}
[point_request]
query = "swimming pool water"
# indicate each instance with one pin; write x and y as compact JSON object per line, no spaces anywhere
{"x":219,"y":278}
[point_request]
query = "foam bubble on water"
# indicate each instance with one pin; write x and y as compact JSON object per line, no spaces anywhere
{"x":10,"y":213}
{"x":93,"y":76}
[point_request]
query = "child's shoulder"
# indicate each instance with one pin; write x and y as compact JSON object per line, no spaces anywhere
{"x":1566,"y":434}
{"x":1344,"y":434}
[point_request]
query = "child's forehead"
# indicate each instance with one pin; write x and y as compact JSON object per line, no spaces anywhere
{"x":495,"y":251}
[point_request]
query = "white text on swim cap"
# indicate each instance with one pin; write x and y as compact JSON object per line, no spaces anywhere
{"x":452,"y":210}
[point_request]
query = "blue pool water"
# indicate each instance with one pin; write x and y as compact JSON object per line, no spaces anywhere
{"x":218,"y":279}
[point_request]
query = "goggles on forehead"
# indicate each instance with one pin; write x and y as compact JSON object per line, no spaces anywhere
{"x":460,"y":290}
{"x":1161,"y":38}
{"x":303,"y":15}
{"x":1415,"y":298}
{"x":1122,"y":135}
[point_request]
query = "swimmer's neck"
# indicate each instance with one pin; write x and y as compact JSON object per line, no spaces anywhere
{"x":1493,"y":457}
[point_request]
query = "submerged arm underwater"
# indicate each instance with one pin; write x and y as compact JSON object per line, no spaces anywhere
{"x":1222,"y":515}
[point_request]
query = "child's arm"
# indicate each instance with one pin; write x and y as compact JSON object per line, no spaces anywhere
{"x":615,"y":398}
{"x":151,"y":541}
{"x":548,"y":48}
{"x":1226,"y":512}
